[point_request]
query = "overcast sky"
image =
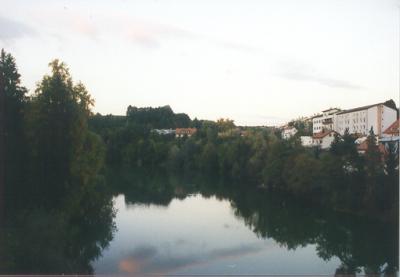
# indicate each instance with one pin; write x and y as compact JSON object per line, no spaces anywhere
{"x":257,"y":62}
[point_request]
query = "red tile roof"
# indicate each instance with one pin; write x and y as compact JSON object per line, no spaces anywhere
{"x":393,"y":129}
{"x":322,"y":134}
{"x":185,"y":131}
{"x":362,"y":147}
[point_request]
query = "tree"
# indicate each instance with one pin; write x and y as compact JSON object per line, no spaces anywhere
{"x":374,"y":170}
{"x":373,"y":156}
{"x":224,"y":125}
{"x":345,"y":149}
{"x":59,"y":135}
{"x":14,"y":98}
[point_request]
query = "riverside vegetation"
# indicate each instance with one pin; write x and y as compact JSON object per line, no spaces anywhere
{"x":61,"y":160}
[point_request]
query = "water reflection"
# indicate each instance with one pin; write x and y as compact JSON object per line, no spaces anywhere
{"x":66,"y":239}
{"x":286,"y":231}
{"x":165,"y":224}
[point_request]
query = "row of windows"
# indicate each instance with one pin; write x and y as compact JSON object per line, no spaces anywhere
{"x":356,"y":120}
{"x":355,"y":114}
{"x":355,"y":128}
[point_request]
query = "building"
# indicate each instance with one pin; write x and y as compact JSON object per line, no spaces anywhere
{"x":182,"y":132}
{"x":325,"y":121}
{"x":307,"y":141}
{"x":391,"y":137}
{"x":392,"y":131}
{"x":363,"y":147}
{"x":164,"y":131}
{"x":324,"y":139}
{"x":288,"y":132}
{"x":317,"y":124}
{"x":360,"y":120}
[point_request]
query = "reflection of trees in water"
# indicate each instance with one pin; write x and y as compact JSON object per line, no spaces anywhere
{"x":65,"y":240}
{"x":358,"y":242}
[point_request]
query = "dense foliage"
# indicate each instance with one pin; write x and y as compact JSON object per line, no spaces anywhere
{"x":54,"y":194}
{"x":340,"y":178}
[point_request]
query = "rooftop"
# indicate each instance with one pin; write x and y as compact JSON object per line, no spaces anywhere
{"x":393,"y":129}
{"x":331,"y":109}
{"x":322,"y":134}
{"x":362,"y":108}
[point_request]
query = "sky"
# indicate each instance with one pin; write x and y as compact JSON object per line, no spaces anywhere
{"x":257,"y":62}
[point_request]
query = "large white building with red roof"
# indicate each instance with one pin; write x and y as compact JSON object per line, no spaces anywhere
{"x":360,"y":120}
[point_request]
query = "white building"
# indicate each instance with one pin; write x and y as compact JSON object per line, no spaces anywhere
{"x":360,"y":120}
{"x":325,"y":121}
{"x":324,"y":139}
{"x":288,"y":132}
{"x":164,"y":131}
{"x":306,"y":141}
{"x":317,"y":124}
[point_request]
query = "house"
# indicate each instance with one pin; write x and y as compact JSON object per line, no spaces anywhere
{"x":182,"y":132}
{"x":391,"y":138}
{"x":392,"y":131}
{"x":360,"y":120}
{"x":317,"y":124}
{"x":288,"y":132}
{"x":325,"y":121}
{"x":324,"y":139}
{"x":363,"y":147}
{"x":307,"y":141}
{"x":360,"y":140}
{"x":164,"y":131}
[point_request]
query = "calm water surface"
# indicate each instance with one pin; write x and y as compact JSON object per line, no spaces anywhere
{"x":135,"y":225}
{"x":199,"y":235}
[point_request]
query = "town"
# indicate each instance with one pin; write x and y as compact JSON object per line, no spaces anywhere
{"x":381,"y":118}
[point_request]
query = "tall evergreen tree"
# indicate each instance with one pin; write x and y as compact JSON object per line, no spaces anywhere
{"x":373,"y":156}
{"x":13,"y":104}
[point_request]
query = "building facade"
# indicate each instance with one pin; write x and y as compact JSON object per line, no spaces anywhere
{"x":288,"y":132}
{"x":185,"y":132}
{"x":360,"y":120}
{"x":307,"y":141}
{"x":325,"y":121}
{"x":324,"y":139}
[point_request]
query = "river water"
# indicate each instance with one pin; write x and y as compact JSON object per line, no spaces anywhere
{"x":245,"y":233}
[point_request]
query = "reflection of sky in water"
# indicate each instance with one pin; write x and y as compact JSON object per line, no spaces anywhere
{"x":198,"y":235}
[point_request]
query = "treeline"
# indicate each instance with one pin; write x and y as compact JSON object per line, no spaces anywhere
{"x":55,"y":146}
{"x":340,"y":178}
{"x":52,"y":184}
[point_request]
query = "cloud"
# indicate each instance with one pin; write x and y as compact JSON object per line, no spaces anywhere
{"x":10,"y":29}
{"x":147,"y":259}
{"x":84,"y":27}
{"x":137,"y":259}
{"x":237,"y":46}
{"x":302,"y":72}
{"x":235,"y":251}
{"x":151,"y":34}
